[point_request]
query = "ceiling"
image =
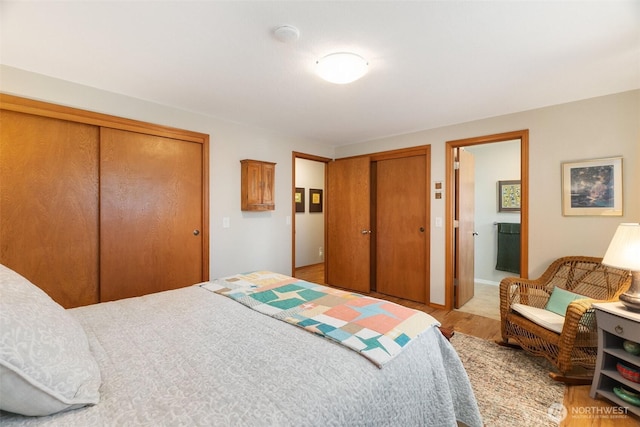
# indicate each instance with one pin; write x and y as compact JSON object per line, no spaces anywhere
{"x":432,"y":63}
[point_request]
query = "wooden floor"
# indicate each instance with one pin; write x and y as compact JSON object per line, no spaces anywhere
{"x":582,"y":410}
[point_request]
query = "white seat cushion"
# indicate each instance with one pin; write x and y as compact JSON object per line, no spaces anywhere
{"x":545,"y":318}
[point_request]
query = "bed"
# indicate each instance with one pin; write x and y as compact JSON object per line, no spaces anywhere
{"x":204,"y":356}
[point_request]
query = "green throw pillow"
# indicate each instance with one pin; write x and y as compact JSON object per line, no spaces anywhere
{"x":560,"y":299}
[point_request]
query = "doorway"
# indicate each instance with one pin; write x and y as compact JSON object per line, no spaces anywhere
{"x":457,"y":282}
{"x":308,"y":236}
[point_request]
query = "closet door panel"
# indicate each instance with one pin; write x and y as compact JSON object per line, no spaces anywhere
{"x":402,"y":228}
{"x":49,"y":204}
{"x":349,"y":224}
{"x":151,"y":214}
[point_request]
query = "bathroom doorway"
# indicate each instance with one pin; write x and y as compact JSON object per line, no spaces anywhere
{"x":460,"y":277}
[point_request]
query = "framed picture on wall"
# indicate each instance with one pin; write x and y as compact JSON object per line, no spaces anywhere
{"x":592,"y":187}
{"x":299,"y":199}
{"x":509,"y":196}
{"x":315,"y":200}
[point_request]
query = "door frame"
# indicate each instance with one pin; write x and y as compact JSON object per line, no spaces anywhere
{"x":523,"y":136}
{"x":297,"y":155}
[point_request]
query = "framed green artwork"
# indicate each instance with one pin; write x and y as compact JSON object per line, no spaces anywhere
{"x":509,"y":196}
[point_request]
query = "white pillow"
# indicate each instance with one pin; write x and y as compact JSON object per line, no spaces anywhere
{"x":545,"y":318}
{"x":45,"y":362}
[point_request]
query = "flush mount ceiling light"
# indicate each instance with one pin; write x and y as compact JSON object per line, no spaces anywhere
{"x":341,"y":67}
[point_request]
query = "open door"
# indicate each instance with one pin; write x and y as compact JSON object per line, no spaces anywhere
{"x":348,"y":219}
{"x":465,"y":230}
{"x":452,"y":233}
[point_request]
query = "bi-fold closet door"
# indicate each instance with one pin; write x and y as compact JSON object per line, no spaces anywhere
{"x":378,"y":223}
{"x":90,"y":213}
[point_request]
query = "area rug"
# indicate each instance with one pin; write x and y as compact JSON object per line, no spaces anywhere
{"x":512,"y":388}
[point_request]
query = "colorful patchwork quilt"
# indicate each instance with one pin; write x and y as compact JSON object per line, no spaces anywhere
{"x":375,"y":328}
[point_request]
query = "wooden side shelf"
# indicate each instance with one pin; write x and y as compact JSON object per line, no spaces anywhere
{"x":615,"y":325}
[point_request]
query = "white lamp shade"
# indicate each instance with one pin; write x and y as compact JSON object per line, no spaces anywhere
{"x":624,"y":249}
{"x":342,"y":67}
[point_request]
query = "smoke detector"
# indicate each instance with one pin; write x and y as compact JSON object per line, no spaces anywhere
{"x":286,"y":33}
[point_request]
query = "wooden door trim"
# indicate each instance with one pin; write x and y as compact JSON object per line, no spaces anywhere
{"x":392,"y":154}
{"x":523,"y":136}
{"x":46,"y":109}
{"x":400,"y":153}
{"x":297,"y":155}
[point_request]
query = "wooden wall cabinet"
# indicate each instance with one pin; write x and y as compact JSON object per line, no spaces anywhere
{"x":257,"y":185}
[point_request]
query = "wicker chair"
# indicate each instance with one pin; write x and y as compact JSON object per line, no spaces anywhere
{"x":577,"y":344}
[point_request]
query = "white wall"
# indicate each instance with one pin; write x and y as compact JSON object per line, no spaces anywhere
{"x":594,"y":128}
{"x":309,"y":225}
{"x":255,"y":240}
{"x":494,"y":162}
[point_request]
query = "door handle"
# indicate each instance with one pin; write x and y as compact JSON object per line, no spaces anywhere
{"x":422,"y":229}
{"x":474,"y":234}
{"x":365,"y":232}
{"x":196,"y":232}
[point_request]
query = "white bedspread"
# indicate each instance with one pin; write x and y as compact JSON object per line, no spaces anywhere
{"x":190,"y":357}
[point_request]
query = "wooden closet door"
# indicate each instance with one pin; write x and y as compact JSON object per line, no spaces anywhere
{"x":151,"y":214}
{"x":349,"y":224}
{"x":402,"y":228}
{"x":49,"y":204}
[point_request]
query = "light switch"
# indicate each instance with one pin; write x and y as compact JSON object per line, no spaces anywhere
{"x":438,"y":222}
{"x":225,"y":222}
